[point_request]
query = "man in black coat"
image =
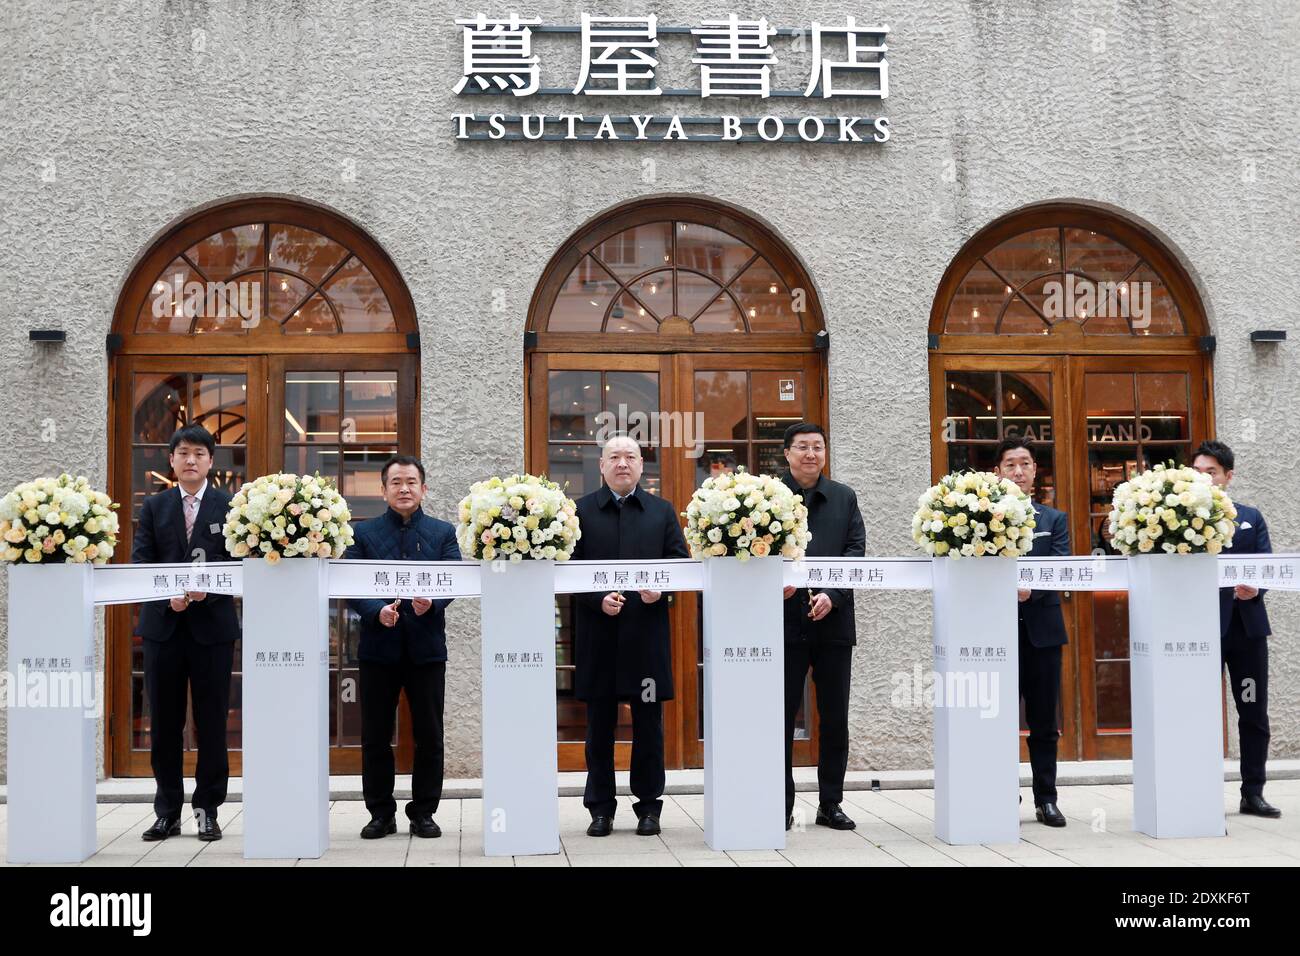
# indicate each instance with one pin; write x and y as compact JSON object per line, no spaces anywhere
{"x":1243,"y":633}
{"x":622,"y":641}
{"x":403,"y":646}
{"x":189,"y":641}
{"x":820,"y":631}
{"x":1042,"y":633}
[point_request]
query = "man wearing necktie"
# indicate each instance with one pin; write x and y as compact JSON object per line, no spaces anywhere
{"x":189,"y":641}
{"x":1042,"y":633}
{"x":622,"y":644}
{"x":1243,"y":632}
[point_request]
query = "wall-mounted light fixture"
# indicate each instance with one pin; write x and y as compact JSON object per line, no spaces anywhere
{"x":47,"y":335}
{"x":1267,"y":335}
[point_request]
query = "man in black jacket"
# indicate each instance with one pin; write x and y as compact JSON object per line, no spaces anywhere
{"x":1243,"y":632}
{"x":820,"y":631}
{"x":1042,"y":633}
{"x":189,"y":641}
{"x":622,"y":640}
{"x":403,"y":646}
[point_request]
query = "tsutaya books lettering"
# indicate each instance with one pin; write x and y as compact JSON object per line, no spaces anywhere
{"x":619,"y":57}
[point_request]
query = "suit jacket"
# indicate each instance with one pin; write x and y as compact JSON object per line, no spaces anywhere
{"x":160,"y":539}
{"x":837,"y":532}
{"x":614,"y":655}
{"x":1251,"y":537}
{"x":1041,"y":615}
{"x":390,"y":538}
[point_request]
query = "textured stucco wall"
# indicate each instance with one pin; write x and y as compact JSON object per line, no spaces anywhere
{"x":118,"y":120}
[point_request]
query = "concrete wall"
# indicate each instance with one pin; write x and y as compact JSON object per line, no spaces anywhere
{"x":118,"y":121}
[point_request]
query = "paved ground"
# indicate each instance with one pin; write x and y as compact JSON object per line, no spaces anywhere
{"x":895,"y":828}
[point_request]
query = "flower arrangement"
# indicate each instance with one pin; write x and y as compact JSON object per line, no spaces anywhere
{"x":974,"y":514}
{"x":742,"y":515}
{"x":1175,"y":509}
{"x":53,"y":520}
{"x":288,"y":516}
{"x":522,"y":516}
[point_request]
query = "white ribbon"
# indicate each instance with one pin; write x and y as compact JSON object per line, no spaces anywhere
{"x":904,"y":574}
{"x":1099,"y":572}
{"x":138,"y":583}
{"x":669,"y":574}
{"x":1278,"y":572}
{"x":403,"y":579}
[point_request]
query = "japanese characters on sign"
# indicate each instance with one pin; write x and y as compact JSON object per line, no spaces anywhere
{"x":907,"y":574}
{"x":1279,"y":572}
{"x":134,"y":583}
{"x":669,"y":574}
{"x":403,"y":579}
{"x":620,"y":57}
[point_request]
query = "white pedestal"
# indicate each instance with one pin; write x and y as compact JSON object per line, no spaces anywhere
{"x":744,"y":704}
{"x":521,"y":799}
{"x":286,"y":708}
{"x":53,"y":704}
{"x":1175,"y":684}
{"x":976,"y":714}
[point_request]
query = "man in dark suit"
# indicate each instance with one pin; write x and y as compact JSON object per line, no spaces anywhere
{"x":189,"y":641}
{"x":1243,"y":631}
{"x":403,"y":646}
{"x":622,"y":641}
{"x":820,"y":630}
{"x":1042,"y":633}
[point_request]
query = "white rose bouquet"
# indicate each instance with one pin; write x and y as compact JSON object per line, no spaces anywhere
{"x":54,"y":520}
{"x":1176,"y":509}
{"x":742,"y":515}
{"x":518,"y":517}
{"x":974,"y":514}
{"x":288,"y":516}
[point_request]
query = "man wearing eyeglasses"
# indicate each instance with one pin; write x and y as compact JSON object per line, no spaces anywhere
{"x":820,"y":631}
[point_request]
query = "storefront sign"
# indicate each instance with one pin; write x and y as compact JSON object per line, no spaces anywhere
{"x":619,"y":57}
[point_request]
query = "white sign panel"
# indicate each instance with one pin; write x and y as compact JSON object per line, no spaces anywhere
{"x":1078,"y":573}
{"x":669,"y":574}
{"x":906,"y":574}
{"x":404,"y":579}
{"x":1277,"y":572}
{"x":138,"y":583}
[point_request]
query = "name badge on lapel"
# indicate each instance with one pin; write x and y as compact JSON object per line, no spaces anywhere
{"x":214,"y":528}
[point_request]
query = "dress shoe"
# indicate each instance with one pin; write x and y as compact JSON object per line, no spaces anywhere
{"x":379,"y":827}
{"x":209,"y":829}
{"x":1049,"y":814}
{"x":423,"y":826}
{"x":648,"y":825}
{"x":162,"y":828}
{"x":1257,"y":806}
{"x":830,"y":815}
{"x":602,"y":826}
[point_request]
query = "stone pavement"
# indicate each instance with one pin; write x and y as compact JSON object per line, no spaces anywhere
{"x":895,"y":828}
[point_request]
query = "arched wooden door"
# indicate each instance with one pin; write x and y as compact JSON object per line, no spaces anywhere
{"x":690,"y":320}
{"x":1078,"y":329}
{"x":289,"y":334}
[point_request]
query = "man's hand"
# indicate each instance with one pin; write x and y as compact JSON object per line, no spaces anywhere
{"x":196,"y":595}
{"x":421,"y":605}
{"x":388,"y":613}
{"x":649,"y":597}
{"x":612,"y":603}
{"x":1022,"y":594}
{"x":819,"y":606}
{"x":787,"y":592}
{"x":1245,"y":592}
{"x":179,"y":603}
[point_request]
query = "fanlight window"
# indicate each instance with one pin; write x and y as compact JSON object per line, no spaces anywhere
{"x":1045,"y":277}
{"x":675,"y":276}
{"x":266,"y":272}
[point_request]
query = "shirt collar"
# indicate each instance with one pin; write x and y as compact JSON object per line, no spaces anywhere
{"x":397,"y":519}
{"x":817,"y":489}
{"x":198,"y":495}
{"x":607,"y":495}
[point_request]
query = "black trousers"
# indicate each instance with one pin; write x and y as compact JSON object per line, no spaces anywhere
{"x":832,"y":666}
{"x":646,"y":775}
{"x":1040,"y":686}
{"x":1247,"y":662}
{"x":174,"y":669}
{"x":379,"y":690}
